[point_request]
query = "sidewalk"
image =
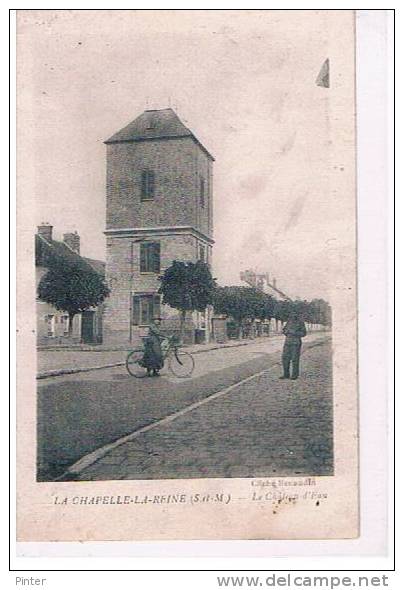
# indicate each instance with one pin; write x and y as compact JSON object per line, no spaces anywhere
{"x":62,"y":361}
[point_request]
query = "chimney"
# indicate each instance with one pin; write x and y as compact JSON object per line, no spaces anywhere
{"x":72,"y":240}
{"x":274,"y":282}
{"x":45,"y":230}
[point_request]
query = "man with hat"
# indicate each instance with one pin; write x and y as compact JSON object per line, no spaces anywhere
{"x":294,"y":330}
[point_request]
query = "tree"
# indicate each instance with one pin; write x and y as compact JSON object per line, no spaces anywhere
{"x":265,"y":306}
{"x":282,"y":310}
{"x":187,"y":286}
{"x":243,"y":304}
{"x":316,"y":311}
{"x":71,"y":285}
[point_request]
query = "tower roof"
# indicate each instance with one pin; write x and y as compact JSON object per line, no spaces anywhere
{"x":155,"y":124}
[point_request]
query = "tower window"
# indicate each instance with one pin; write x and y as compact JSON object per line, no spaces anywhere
{"x":144,"y":309}
{"x":150,"y":257}
{"x":147,"y":189}
{"x":202,"y":192}
{"x":202,"y":253}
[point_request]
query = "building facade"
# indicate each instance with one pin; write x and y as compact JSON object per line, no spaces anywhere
{"x":159,"y":209}
{"x":53,"y":324}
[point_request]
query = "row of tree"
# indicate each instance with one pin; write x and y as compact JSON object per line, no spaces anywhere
{"x":71,"y":285}
{"x":188,"y":286}
{"x":246,"y":304}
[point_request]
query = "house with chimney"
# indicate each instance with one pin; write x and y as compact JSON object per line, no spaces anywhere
{"x":53,"y":324}
{"x":159,"y":209}
{"x":262,"y":282}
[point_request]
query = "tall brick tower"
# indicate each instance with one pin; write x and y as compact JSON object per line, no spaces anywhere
{"x":159,"y":209}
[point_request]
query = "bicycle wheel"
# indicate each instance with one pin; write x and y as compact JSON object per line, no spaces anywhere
{"x":133,"y":364}
{"x":181,"y":364}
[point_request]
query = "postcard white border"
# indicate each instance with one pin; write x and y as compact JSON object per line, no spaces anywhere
{"x":374,"y":182}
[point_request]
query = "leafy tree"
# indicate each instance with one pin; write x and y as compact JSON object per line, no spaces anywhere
{"x":265,"y":308}
{"x":262,"y":305}
{"x":322,"y":311}
{"x":187,"y":286}
{"x":282,"y":310}
{"x":71,"y":285}
{"x":316,"y":311}
{"x":243,"y":304}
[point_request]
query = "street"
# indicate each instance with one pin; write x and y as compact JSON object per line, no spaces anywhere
{"x":208,"y":426}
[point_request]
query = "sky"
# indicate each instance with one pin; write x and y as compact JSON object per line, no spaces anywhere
{"x":243,"y":81}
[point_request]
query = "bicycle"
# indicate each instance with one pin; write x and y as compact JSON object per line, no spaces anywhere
{"x":180,"y":362}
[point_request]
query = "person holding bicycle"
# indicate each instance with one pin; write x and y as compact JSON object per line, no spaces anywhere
{"x":153,"y":359}
{"x":153,"y":355}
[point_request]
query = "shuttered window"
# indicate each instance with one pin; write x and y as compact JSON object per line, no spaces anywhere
{"x":147,"y":185}
{"x":150,"y":257}
{"x":136,"y":310}
{"x":144,"y":309}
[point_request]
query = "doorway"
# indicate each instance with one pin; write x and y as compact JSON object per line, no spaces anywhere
{"x":87,"y":327}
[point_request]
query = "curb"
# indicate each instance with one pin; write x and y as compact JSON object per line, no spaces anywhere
{"x":57,"y":372}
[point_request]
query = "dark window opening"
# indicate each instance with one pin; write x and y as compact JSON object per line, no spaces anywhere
{"x":144,"y":309}
{"x":147,"y":189}
{"x":150,"y":257}
{"x":202,"y":192}
{"x":151,"y":122}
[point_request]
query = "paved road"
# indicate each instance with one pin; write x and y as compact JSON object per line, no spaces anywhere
{"x":225,"y":437}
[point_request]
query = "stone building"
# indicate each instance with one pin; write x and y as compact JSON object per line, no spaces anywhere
{"x":159,"y":209}
{"x":53,"y":324}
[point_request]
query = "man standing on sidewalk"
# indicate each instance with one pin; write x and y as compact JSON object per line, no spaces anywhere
{"x":294,"y":330}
